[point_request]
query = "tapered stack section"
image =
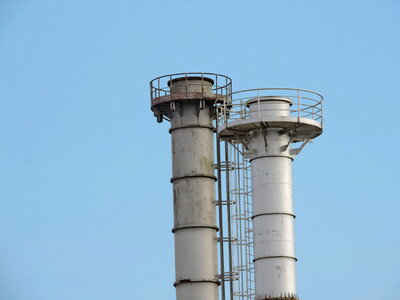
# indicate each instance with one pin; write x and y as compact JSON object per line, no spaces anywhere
{"x":267,"y":125}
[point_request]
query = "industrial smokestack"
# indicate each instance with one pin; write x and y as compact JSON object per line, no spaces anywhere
{"x":267,"y":125}
{"x":187,"y":101}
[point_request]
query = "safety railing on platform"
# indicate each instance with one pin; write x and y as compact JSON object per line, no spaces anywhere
{"x":161,"y":86}
{"x":304,"y":103}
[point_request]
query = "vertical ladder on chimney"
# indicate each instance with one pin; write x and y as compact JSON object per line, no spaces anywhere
{"x":235,"y":211}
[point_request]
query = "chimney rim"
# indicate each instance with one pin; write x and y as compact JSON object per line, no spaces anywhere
{"x":190,"y":78}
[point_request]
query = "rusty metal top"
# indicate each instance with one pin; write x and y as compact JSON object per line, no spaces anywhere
{"x":186,"y":78}
{"x":161,"y":86}
{"x":190,"y":86}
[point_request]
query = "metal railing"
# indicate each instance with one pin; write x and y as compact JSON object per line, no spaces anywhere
{"x":304,"y":103}
{"x":237,"y":281}
{"x":241,"y":193}
{"x":161,"y":86}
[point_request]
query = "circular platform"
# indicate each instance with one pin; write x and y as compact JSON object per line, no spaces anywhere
{"x":295,"y":110}
{"x":304,"y":128}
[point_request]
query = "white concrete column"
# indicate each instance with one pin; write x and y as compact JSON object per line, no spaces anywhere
{"x":273,"y":215}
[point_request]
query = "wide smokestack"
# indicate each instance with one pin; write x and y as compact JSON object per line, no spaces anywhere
{"x":267,"y":127}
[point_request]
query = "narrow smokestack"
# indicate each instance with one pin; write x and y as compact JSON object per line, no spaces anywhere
{"x":187,"y":100}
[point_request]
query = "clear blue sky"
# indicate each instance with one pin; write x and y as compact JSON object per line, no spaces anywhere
{"x":85,"y":198}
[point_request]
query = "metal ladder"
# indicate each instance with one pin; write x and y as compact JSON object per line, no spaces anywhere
{"x":238,"y":282}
